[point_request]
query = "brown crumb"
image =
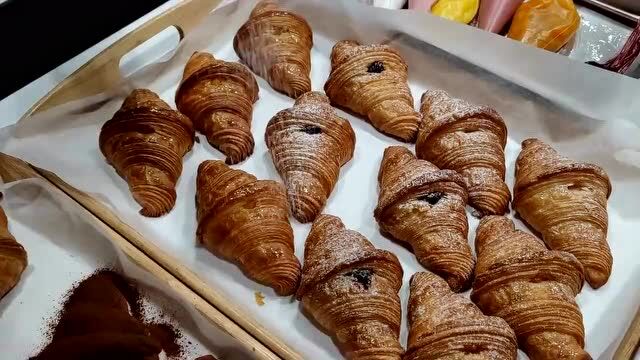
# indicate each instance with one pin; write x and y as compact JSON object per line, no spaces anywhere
{"x":259,"y":298}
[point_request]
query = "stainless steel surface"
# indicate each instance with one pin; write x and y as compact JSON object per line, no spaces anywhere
{"x":628,"y":5}
{"x":630,"y":11}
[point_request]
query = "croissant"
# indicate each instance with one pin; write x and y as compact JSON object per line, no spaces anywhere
{"x":96,"y":324}
{"x":276,"y":45}
{"x":444,"y":325}
{"x":218,"y":96}
{"x":246,"y":221}
{"x":530,"y":287}
{"x":145,"y":142}
{"x":13,"y":257}
{"x":308,"y":144}
{"x":425,"y":206}
{"x":470,"y":140}
{"x":371,"y":80}
{"x":566,"y":201}
{"x":351,"y":289}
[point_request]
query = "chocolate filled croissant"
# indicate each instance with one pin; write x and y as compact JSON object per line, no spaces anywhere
{"x":371,"y":80}
{"x":308,"y":144}
{"x":470,"y":140}
{"x":532,"y":288}
{"x":276,"y":45}
{"x":425,"y":207}
{"x":145,"y":142}
{"x":351,"y":289}
{"x":246,"y":221}
{"x":13,"y":257}
{"x":566,"y":201}
{"x":218,"y":97}
{"x":444,"y":325}
{"x":96,"y":324}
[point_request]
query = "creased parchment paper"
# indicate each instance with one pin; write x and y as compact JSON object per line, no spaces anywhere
{"x":64,"y":247}
{"x":65,"y":140}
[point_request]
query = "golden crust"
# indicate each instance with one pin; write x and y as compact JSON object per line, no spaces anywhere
{"x":218,"y":96}
{"x":308,"y":144}
{"x":371,"y":80}
{"x":13,"y":257}
{"x":145,"y":142}
{"x":276,"y":45}
{"x":351,"y":289}
{"x":470,"y":140}
{"x":245,"y":220}
{"x":530,"y":287}
{"x":566,"y":201}
{"x":425,"y":207}
{"x":444,"y":325}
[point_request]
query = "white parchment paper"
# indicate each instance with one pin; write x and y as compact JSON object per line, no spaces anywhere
{"x":65,"y":140}
{"x":63,"y":247}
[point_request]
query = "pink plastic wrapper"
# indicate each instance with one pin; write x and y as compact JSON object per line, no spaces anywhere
{"x":424,"y":5}
{"x":494,"y":14}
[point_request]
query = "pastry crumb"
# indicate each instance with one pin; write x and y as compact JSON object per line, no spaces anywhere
{"x":259,"y":298}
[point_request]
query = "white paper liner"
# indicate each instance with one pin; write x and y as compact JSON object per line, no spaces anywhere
{"x":65,"y":140}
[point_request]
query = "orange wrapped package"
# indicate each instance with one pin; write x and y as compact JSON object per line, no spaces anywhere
{"x":547,"y":24}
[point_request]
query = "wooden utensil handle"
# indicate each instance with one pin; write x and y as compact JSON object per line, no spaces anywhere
{"x":631,"y":340}
{"x":103,"y":71}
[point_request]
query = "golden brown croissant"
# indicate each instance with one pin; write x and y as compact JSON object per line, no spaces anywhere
{"x":444,"y":325}
{"x":351,"y":289}
{"x":276,"y":45}
{"x":13,"y":257}
{"x":246,"y":221}
{"x":218,"y":96}
{"x":309,"y":143}
{"x":96,"y":324}
{"x":371,"y":80}
{"x":470,"y":140}
{"x":532,"y":288}
{"x":566,"y":201}
{"x":145,"y":142}
{"x":425,"y":206}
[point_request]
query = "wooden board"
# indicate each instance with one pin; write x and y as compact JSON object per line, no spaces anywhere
{"x":13,"y":169}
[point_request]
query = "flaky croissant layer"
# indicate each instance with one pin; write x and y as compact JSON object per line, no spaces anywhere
{"x":13,"y":257}
{"x":245,"y":220}
{"x":145,"y":142}
{"x":351,"y":289}
{"x":308,"y":144}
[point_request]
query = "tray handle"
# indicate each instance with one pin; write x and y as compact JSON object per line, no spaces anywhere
{"x":103,"y":71}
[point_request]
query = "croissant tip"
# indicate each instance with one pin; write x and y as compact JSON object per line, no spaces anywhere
{"x":529,"y":142}
{"x":596,"y":278}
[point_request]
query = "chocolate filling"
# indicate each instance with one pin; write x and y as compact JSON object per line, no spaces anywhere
{"x":361,"y":276}
{"x":376,"y":67}
{"x":311,"y":129}
{"x":432,"y":198}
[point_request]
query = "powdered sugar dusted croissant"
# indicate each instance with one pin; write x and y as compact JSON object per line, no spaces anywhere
{"x":444,"y":325}
{"x":470,"y":140}
{"x":145,"y":142}
{"x":425,"y":206}
{"x":530,"y":287}
{"x":308,"y":144}
{"x":371,"y":80}
{"x":218,"y":97}
{"x":276,"y":44}
{"x":246,"y":221}
{"x":351,"y":289}
{"x":13,"y":257}
{"x":566,"y":201}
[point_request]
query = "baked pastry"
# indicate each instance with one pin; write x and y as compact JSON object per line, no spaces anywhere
{"x":246,"y":221}
{"x":145,"y":142}
{"x":351,"y":289}
{"x":425,"y":207}
{"x":566,"y":201}
{"x":218,"y":97}
{"x":13,"y":257}
{"x":470,"y":140}
{"x":96,"y":324}
{"x":371,"y":80}
{"x":276,"y":45}
{"x":444,"y":325}
{"x":532,"y":288}
{"x":308,"y":144}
